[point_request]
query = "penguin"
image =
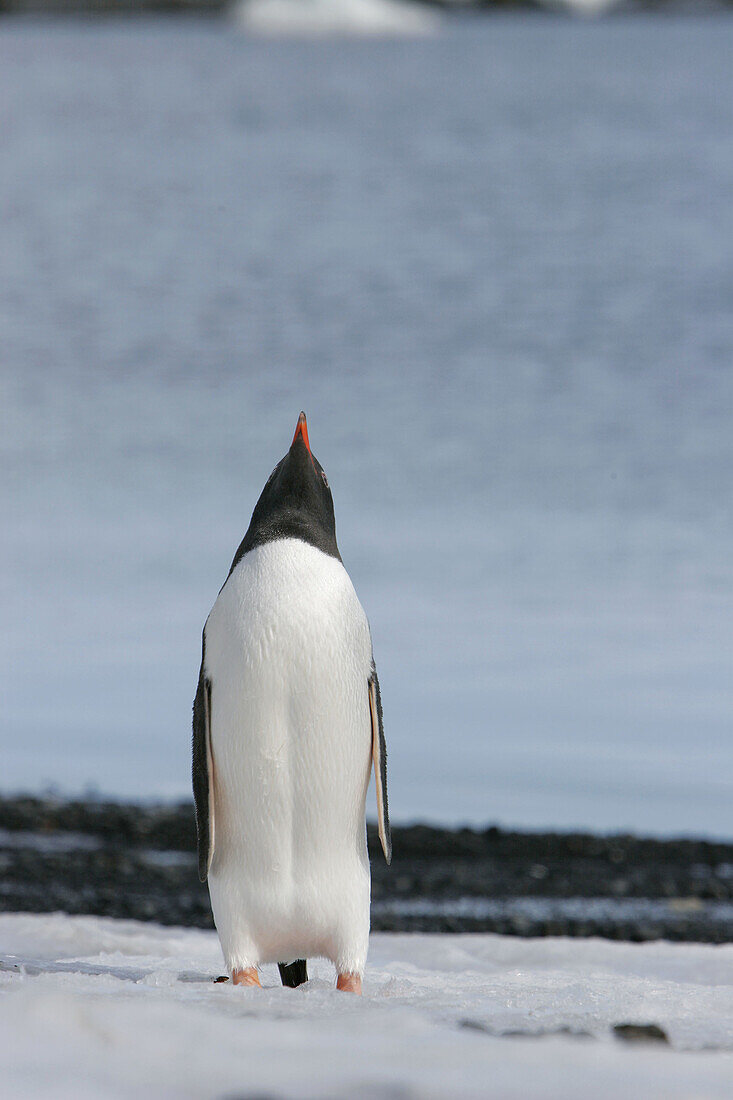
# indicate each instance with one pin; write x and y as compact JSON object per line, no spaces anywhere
{"x":287,"y":724}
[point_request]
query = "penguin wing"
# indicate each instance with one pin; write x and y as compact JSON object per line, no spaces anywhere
{"x":203,"y":770}
{"x":379,"y":756}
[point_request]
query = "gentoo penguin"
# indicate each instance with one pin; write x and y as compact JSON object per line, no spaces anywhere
{"x":287,"y":721}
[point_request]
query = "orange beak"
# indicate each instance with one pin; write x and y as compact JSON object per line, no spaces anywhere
{"x":302,"y":430}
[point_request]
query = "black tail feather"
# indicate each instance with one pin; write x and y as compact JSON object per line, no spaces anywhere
{"x":294,"y":973}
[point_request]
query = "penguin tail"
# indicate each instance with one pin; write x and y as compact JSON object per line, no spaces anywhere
{"x":292,"y":974}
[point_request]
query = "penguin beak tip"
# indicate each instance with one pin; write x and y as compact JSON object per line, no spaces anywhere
{"x":301,"y":429}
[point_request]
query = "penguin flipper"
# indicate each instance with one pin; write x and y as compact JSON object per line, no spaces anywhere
{"x":379,"y":756}
{"x":203,"y":771}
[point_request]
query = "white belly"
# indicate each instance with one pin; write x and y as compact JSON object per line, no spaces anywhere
{"x":288,"y":654}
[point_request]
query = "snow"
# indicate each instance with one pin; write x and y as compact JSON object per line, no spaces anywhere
{"x":93,"y":1007}
{"x":583,"y":7}
{"x":335,"y":17}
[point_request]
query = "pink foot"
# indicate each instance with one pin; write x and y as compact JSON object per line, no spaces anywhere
{"x":248,"y":976}
{"x":349,"y":983}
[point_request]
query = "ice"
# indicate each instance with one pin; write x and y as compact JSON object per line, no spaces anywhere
{"x":96,"y":1007}
{"x":583,"y":7}
{"x":48,"y":843}
{"x":633,"y":910}
{"x":334,"y":17}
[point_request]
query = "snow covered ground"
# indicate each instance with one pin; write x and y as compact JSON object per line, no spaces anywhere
{"x":92,"y":1007}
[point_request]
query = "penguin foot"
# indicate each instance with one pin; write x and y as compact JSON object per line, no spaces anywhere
{"x":349,"y":983}
{"x":248,"y":976}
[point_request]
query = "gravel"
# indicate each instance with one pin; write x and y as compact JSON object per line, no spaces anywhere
{"x":138,"y":861}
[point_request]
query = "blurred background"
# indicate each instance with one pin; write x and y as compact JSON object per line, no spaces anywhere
{"x":490,"y":254}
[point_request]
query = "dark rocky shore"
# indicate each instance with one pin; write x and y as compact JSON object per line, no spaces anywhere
{"x":131,"y":861}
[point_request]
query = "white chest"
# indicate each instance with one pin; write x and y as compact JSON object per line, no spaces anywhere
{"x":288,"y":654}
{"x":286,"y":615}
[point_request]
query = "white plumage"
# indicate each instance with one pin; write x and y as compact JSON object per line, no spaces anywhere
{"x":288,"y":654}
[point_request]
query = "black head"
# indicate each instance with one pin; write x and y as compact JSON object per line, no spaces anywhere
{"x":296,"y":502}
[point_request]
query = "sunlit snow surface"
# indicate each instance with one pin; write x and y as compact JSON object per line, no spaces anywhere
{"x":315,"y":18}
{"x":103,"y":1008}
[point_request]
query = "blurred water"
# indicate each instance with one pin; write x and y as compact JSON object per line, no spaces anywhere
{"x":495,"y":268}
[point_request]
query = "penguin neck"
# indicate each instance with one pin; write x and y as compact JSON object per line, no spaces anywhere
{"x":288,"y":524}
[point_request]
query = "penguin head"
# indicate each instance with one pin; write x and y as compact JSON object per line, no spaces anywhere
{"x":296,"y":501}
